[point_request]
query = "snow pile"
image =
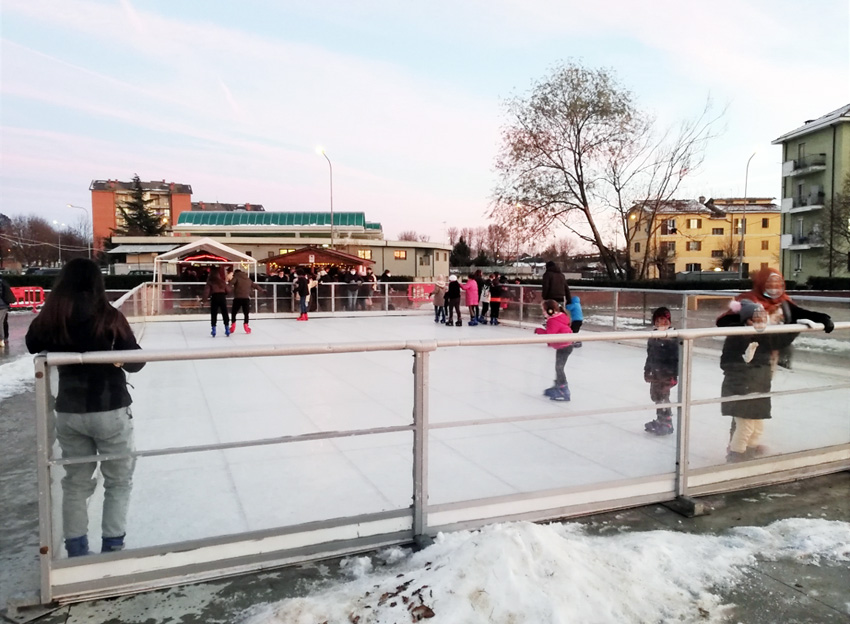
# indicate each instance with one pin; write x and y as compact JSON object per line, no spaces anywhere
{"x":525,"y":573}
{"x":16,"y":376}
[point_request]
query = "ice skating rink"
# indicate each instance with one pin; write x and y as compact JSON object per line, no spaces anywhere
{"x":598,"y":437}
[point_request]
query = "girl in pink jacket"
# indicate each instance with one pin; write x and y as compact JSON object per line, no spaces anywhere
{"x":471,"y":288}
{"x":557,"y":322}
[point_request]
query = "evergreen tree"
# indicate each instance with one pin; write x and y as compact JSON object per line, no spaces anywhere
{"x":460,"y":255}
{"x":139,"y":220}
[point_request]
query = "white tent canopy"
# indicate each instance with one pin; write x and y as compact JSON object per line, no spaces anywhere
{"x":203,"y":244}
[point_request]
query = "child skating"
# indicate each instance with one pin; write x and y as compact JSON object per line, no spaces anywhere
{"x":439,"y":295}
{"x":661,"y":371}
{"x":471,"y":288}
{"x":557,"y":322}
{"x":453,"y":301}
{"x":577,"y":316}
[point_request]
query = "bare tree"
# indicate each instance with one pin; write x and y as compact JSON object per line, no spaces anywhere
{"x":835,"y":231}
{"x":453,"y":233}
{"x":577,"y":148}
{"x":32,"y":240}
{"x":408,"y":235}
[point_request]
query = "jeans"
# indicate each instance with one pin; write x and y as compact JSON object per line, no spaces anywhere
{"x":304,"y":304}
{"x":96,"y":433}
{"x":561,"y":356}
{"x":352,"y":300}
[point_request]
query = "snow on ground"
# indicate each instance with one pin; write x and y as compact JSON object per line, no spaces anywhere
{"x":526,"y":573}
{"x":16,"y":376}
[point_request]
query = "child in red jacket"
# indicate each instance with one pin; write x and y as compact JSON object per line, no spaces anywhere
{"x":557,"y":322}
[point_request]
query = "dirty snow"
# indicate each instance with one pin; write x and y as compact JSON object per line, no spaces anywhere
{"x":16,"y":376}
{"x":525,"y":573}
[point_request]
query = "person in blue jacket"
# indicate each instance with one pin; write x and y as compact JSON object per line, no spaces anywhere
{"x":573,"y":307}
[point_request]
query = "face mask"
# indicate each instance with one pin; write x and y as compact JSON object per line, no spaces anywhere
{"x":772,"y":293}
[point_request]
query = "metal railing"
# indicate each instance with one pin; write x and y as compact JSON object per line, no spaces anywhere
{"x":218,"y":555}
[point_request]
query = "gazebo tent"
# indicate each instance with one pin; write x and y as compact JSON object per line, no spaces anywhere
{"x":315,"y":255}
{"x":176,"y":256}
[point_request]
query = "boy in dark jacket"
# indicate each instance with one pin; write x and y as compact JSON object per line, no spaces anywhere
{"x":661,"y":371}
{"x":453,"y":301}
{"x":7,"y":298}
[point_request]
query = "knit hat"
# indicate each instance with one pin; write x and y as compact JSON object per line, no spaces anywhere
{"x":452,"y":278}
{"x":745,"y":309}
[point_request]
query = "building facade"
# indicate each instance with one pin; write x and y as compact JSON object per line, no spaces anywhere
{"x":731,"y":234}
{"x":167,"y":200}
{"x":815,"y":164}
{"x":263,"y":235}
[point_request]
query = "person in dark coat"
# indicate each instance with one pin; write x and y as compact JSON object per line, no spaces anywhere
{"x":661,"y":371}
{"x":243,"y":286}
{"x":555,"y":285}
{"x":7,"y":298}
{"x":496,"y":294}
{"x":93,"y":405}
{"x":453,"y":301}
{"x":748,"y":361}
{"x":216,"y":290}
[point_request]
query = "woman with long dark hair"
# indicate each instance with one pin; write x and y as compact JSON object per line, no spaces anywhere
{"x":93,"y":405}
{"x":216,"y":290}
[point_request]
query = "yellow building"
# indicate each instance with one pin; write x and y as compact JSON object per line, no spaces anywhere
{"x":674,"y":236}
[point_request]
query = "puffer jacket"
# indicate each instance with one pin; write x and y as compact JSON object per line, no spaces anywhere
{"x":471,"y":288}
{"x":242,"y":285}
{"x":557,"y":324}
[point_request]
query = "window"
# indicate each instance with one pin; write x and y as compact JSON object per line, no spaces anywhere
{"x":668,"y":247}
{"x":764,"y":265}
{"x":765,"y":223}
{"x":400,"y":254}
{"x":717,"y":231}
{"x":250,"y":254}
{"x":424,"y":260}
{"x":693,"y":266}
{"x":739,"y":223}
{"x":716,"y":253}
{"x":280,"y":252}
{"x":693,"y":246}
{"x":765,"y":244}
{"x":637,"y":247}
{"x":668,"y":226}
{"x":365,"y":254}
{"x":801,"y":150}
{"x":271,"y":254}
{"x":694,"y":224}
{"x":798,"y":262}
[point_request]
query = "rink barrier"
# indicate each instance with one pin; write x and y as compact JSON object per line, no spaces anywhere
{"x":142,"y":569}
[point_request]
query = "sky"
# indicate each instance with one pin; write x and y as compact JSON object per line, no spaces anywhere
{"x":407,"y":99}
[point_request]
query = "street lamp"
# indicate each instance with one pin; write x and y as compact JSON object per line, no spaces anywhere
{"x":59,"y":232}
{"x":88,"y":241}
{"x":744,"y":219}
{"x":321,"y":151}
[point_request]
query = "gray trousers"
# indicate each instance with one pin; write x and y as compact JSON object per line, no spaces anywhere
{"x":96,"y":433}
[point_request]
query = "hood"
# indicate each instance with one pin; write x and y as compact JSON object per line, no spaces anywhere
{"x":551,"y":266}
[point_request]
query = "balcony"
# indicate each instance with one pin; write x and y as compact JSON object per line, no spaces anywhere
{"x":813,"y":201}
{"x":811,"y":240}
{"x":804,"y":165}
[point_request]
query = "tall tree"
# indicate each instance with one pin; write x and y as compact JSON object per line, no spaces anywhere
{"x":578,"y":149}
{"x":835,"y":231}
{"x":139,"y":219}
{"x":460,"y":255}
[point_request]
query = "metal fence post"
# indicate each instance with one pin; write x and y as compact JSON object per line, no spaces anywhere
{"x":420,"y":441}
{"x":684,"y":310}
{"x":386,"y":297}
{"x":333,"y":297}
{"x":43,"y":427}
{"x":616,"y":307}
{"x":521,"y":303}
{"x":683,"y":424}
{"x":274,"y":298}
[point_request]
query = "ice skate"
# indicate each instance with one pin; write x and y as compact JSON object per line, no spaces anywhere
{"x":562,"y":393}
{"x":226,"y":331}
{"x":658,"y":427}
{"x":473,"y":323}
{"x":550,"y":392}
{"x":246,"y":328}
{"x":458,"y":323}
{"x":212,"y":332}
{"x":233,"y":327}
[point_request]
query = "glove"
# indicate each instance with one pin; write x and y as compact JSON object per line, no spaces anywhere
{"x":647,"y":376}
{"x":828,"y":325}
{"x":673,"y":381}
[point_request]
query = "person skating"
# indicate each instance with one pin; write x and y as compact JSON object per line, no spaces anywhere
{"x":92,"y":405}
{"x":557,"y":322}
{"x":216,"y":290}
{"x":661,"y":371}
{"x":302,"y":292}
{"x":573,"y":308}
{"x":496,"y":294}
{"x":748,"y":361}
{"x":555,"y":285}
{"x":453,"y":301}
{"x":242,"y":286}
{"x":7,"y":298}
{"x":471,"y":288}
{"x":439,"y":297}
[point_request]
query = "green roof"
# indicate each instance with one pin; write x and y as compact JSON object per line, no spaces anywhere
{"x":281,"y":219}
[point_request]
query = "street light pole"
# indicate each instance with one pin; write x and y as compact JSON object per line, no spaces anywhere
{"x":59,"y":233}
{"x":331,"y":169}
{"x":744,"y":219}
{"x":88,"y":240}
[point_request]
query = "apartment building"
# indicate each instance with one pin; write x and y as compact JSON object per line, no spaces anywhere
{"x":816,"y":161}
{"x":732,"y":234}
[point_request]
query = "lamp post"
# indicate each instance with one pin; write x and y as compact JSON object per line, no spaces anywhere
{"x":88,"y":241}
{"x":744,"y":219}
{"x":59,"y":233}
{"x":331,"y":169}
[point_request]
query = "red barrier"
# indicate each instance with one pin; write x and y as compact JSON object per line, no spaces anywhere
{"x":28,"y":297}
{"x":419,"y":292}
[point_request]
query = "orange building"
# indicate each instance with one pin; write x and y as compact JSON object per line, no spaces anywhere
{"x":167,"y":200}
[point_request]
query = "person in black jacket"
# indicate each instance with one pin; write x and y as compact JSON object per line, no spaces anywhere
{"x":453,"y":301}
{"x":555,"y":285}
{"x":93,"y":404}
{"x":661,"y":372}
{"x":7,"y":298}
{"x":748,"y":361}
